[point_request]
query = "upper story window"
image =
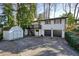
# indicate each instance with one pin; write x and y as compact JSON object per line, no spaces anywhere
{"x":47,"y":22}
{"x":58,"y":21}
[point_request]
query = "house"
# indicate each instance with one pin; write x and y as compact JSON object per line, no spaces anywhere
{"x":50,"y":27}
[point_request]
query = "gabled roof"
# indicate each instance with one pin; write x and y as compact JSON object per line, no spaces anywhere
{"x":52,"y":19}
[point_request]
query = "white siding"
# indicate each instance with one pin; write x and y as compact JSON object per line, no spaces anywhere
{"x":39,"y":33}
{"x":52,"y":27}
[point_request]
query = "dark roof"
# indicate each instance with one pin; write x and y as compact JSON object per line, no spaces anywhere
{"x":52,"y":19}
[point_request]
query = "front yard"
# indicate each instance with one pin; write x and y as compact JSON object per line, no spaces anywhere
{"x":37,"y":46}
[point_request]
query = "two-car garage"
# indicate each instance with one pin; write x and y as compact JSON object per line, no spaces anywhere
{"x":56,"y":33}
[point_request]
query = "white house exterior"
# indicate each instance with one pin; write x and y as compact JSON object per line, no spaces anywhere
{"x":50,"y":26}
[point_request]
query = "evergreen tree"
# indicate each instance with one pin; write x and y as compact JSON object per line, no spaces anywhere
{"x":8,"y":11}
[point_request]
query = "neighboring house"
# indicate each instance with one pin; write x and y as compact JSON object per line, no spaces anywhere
{"x":50,"y":27}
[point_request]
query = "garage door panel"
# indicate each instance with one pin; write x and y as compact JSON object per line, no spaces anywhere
{"x":57,"y":33}
{"x":47,"y":32}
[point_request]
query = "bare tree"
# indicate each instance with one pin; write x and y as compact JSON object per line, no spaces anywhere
{"x":49,"y":12}
{"x":47,"y":8}
{"x":64,"y":7}
{"x":55,"y":7}
{"x":44,"y":10}
{"x":75,"y":9}
{"x":69,"y":4}
{"x":77,"y":13}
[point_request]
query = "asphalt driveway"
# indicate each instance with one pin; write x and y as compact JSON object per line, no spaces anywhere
{"x":37,"y":46}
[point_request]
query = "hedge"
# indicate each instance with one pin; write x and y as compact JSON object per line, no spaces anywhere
{"x":67,"y":35}
{"x":72,"y":39}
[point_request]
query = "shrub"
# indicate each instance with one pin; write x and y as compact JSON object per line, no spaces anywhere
{"x":67,"y":35}
{"x":72,"y":39}
{"x":6,"y":28}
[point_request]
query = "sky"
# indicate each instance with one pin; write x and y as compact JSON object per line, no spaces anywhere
{"x":40,"y":9}
{"x":59,"y":10}
{"x":1,"y":9}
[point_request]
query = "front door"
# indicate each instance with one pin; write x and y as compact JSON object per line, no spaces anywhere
{"x":31,"y":32}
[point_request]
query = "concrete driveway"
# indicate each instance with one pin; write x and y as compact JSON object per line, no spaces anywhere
{"x":37,"y":46}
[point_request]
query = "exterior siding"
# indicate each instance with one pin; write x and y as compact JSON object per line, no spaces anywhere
{"x":54,"y":26}
{"x":39,"y":33}
{"x":51,"y":27}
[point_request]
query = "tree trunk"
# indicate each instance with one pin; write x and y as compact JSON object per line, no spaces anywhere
{"x":64,"y":7}
{"x":44,"y":11}
{"x":69,"y":4}
{"x":75,"y":9}
{"x":77,"y":13}
{"x":23,"y":32}
{"x":49,"y":12}
{"x":54,"y":10}
{"x":17,"y":13}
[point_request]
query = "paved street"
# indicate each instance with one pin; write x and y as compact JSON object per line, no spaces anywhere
{"x":37,"y":46}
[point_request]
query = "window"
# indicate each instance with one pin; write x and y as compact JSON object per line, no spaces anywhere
{"x":58,"y":21}
{"x":47,"y":22}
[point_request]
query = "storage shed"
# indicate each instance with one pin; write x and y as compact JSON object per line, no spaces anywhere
{"x":14,"y":33}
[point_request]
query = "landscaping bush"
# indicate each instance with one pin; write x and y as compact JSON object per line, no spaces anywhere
{"x":72,"y":39}
{"x":67,"y":35}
